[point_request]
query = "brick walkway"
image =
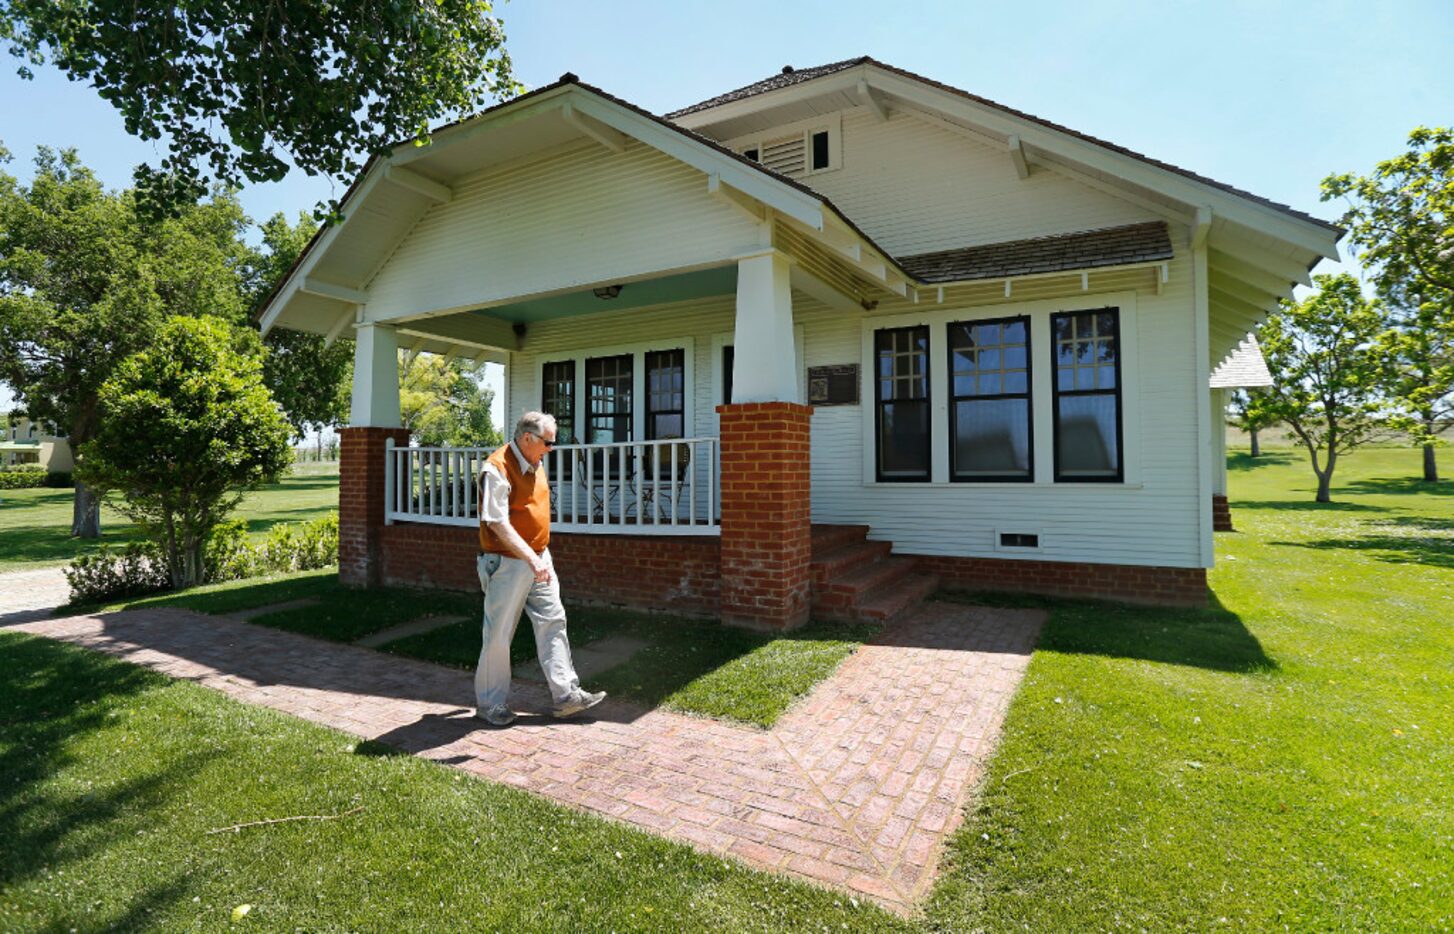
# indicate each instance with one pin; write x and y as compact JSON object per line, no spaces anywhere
{"x":856,"y":787}
{"x":27,"y":595}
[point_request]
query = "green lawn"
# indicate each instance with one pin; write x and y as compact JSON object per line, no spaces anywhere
{"x":1283,"y":758}
{"x":35,"y":525}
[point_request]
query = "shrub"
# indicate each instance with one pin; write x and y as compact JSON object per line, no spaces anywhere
{"x":60,"y":480}
{"x":228,"y":554}
{"x":136,"y":570}
{"x":313,"y":545}
{"x":27,"y":477}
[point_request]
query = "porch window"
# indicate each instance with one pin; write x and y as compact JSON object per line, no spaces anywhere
{"x":665,"y":394}
{"x":558,"y":397}
{"x":989,"y":423}
{"x":1087,"y":395}
{"x":902,"y":402}
{"x":608,"y":397}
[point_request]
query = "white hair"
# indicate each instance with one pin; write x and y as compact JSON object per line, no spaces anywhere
{"x":535,"y":423}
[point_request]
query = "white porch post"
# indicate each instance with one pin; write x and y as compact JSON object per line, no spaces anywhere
{"x":375,"y":377}
{"x":1219,"y":442}
{"x":764,"y":367}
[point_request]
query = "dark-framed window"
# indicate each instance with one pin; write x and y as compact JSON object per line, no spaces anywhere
{"x":608,"y":399}
{"x":901,"y":397}
{"x":990,"y":412}
{"x":729,"y":359}
{"x":558,"y":397}
{"x":819,"y":142}
{"x":666,"y":403}
{"x":1088,"y":425}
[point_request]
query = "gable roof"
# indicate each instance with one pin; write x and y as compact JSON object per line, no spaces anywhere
{"x":788,"y":78}
{"x":1244,"y":366}
{"x":1110,"y":246}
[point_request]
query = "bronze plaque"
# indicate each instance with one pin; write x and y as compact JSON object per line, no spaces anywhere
{"x":833,"y":385}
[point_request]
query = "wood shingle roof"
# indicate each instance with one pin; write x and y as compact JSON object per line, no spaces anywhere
{"x":1110,"y":246}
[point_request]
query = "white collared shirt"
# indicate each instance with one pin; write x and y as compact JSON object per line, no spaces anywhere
{"x":495,"y":488}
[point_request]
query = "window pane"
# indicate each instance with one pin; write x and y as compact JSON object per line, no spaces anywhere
{"x":558,"y":397}
{"x":665,"y":400}
{"x":1086,"y":436}
{"x":903,"y":439}
{"x":608,"y":395}
{"x":992,"y":438}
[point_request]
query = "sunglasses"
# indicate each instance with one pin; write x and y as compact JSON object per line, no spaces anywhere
{"x":549,"y":444}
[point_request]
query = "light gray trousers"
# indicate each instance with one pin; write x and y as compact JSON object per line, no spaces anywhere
{"x":510,"y":588}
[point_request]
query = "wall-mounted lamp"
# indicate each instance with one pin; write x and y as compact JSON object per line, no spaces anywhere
{"x":607,"y":291}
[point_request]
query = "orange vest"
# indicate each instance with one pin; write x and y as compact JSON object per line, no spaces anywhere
{"x":529,"y":504}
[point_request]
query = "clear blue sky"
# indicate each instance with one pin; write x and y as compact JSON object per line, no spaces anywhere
{"x":1266,"y":96}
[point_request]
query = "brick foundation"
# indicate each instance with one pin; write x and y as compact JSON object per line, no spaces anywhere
{"x":361,"y":503}
{"x":677,"y":574}
{"x":1127,"y":583}
{"x":766,"y":532}
{"x":1221,"y":514}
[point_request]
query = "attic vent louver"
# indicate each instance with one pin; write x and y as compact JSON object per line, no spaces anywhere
{"x":785,"y":156}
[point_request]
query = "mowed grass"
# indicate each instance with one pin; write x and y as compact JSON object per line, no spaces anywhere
{"x":35,"y":525}
{"x":1284,"y":758}
{"x":113,"y":779}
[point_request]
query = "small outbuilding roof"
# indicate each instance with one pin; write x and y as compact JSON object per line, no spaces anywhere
{"x":1244,"y":367}
{"x":1110,"y":246}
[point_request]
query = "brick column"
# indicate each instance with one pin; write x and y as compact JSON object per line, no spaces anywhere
{"x":766,"y":532}
{"x":361,"y":502}
{"x":1221,"y":514}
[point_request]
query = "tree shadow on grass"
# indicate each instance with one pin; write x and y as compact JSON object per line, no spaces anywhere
{"x":1212,"y":637}
{"x":1402,"y":540}
{"x":54,"y":695}
{"x":1397,"y":486}
{"x":1241,"y":460}
{"x":1308,"y":505}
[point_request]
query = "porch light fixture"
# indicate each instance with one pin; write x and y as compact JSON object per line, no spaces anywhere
{"x":607,"y":291}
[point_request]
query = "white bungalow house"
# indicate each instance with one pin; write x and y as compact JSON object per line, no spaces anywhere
{"x":819,"y":344}
{"x":29,"y":442}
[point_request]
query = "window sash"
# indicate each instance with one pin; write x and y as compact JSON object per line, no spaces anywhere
{"x":1078,"y":361}
{"x":984,"y":390}
{"x":902,"y":405}
{"x":609,"y":398}
{"x":558,"y":397}
{"x":666,"y":391}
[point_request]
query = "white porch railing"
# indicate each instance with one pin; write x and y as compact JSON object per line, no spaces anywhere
{"x":630,"y":488}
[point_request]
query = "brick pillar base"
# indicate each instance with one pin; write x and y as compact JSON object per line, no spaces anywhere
{"x":766,"y":532}
{"x":361,"y":503}
{"x":1221,"y":514}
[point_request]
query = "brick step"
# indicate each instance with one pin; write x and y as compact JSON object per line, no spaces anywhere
{"x":858,"y":581}
{"x":889,"y":600}
{"x":826,"y":538}
{"x":831,"y":565}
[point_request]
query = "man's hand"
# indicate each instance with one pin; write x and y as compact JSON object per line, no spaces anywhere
{"x":542,"y":571}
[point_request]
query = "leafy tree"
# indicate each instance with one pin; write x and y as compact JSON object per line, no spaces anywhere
{"x":85,"y":281}
{"x":1403,"y":213}
{"x":239,"y":90}
{"x":1325,"y":365}
{"x":443,"y":405}
{"x":310,"y":381}
{"x":186,"y":426}
{"x":1418,"y":354}
{"x":1249,"y":413}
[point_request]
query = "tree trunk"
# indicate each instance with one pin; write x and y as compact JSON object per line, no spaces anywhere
{"x":1256,"y":446}
{"x":85,"y":513}
{"x":1431,"y":467}
{"x":1325,"y":479}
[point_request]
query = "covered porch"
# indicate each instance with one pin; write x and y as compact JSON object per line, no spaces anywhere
{"x":558,"y":211}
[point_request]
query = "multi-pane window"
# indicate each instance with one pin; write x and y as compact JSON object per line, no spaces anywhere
{"x":989,"y":389}
{"x":665,"y":394}
{"x":558,"y":397}
{"x":1087,"y":395}
{"x":901,"y":381}
{"x":608,"y":399}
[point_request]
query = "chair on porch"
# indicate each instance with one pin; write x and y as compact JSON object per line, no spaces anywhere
{"x":660,"y":481}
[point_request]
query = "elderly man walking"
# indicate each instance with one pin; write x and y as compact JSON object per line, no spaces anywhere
{"x":516,"y":573}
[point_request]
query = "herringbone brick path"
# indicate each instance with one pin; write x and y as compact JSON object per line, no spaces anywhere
{"x":856,"y":787}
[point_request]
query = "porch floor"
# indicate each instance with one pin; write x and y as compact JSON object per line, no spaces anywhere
{"x":856,"y":787}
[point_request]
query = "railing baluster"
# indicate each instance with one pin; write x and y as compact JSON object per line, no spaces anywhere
{"x":712,"y":483}
{"x":590,"y":487}
{"x":692,"y":483}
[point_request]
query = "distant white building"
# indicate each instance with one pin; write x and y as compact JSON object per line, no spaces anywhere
{"x":29,"y":442}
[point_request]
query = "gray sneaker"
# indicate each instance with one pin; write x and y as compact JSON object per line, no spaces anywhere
{"x":578,"y":702}
{"x":499,"y":715}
